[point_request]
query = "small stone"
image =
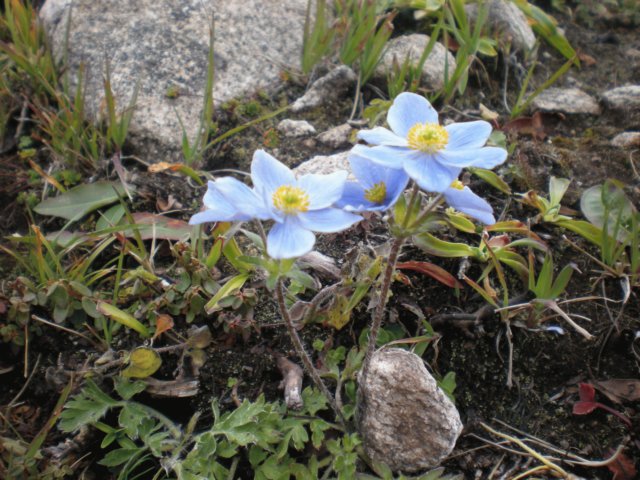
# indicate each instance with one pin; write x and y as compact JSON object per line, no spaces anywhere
{"x":325,"y":164}
{"x":566,"y":100}
{"x":626,"y":140}
{"x":412,"y":46}
{"x":623,"y":98}
{"x":337,"y":82}
{"x":336,"y":137}
{"x":508,"y":19}
{"x":295,"y":128}
{"x":405,"y":420}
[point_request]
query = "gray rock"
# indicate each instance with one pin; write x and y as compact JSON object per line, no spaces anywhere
{"x":336,"y":137}
{"x":626,"y":140}
{"x":325,"y":164}
{"x":507,"y":19}
{"x":412,"y":46}
{"x":566,"y":100}
{"x":295,"y":128}
{"x":623,"y":98}
{"x":163,"y":45}
{"x":337,"y":82}
{"x":405,"y":420}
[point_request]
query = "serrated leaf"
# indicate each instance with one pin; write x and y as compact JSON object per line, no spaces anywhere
{"x":80,"y":200}
{"x":127,"y":389}
{"x":119,"y":456}
{"x":143,"y":362}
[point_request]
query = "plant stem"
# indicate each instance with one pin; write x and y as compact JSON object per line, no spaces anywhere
{"x":304,"y":356}
{"x":378,"y":314}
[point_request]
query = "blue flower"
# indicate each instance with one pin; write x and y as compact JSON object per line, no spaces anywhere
{"x":464,"y":200}
{"x":298,"y":206}
{"x":218,"y":208}
{"x":432,"y":155}
{"x":377,"y":188}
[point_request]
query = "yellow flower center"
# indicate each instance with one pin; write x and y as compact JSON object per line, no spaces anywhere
{"x":427,"y":137}
{"x":377,"y":193}
{"x":290,"y":200}
{"x":457,"y":184}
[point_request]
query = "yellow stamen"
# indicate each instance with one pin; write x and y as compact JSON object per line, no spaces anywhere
{"x":377,"y":193}
{"x":427,"y":137}
{"x":457,"y":184}
{"x":290,"y":200}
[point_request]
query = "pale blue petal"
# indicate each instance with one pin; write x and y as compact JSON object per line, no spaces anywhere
{"x":289,"y":240}
{"x":429,"y":174}
{"x":218,"y":209}
{"x":382,"y":136}
{"x":268,"y":174}
{"x":353,"y":200}
{"x":396,"y":183}
{"x":323,"y":190}
{"x":242,"y":198}
{"x":327,"y":220}
{"x":486,"y":157}
{"x":214,"y":216}
{"x":468,"y":134}
{"x":407,"y":110}
{"x":367,"y":171}
{"x":391,"y":157}
{"x":466,"y":201}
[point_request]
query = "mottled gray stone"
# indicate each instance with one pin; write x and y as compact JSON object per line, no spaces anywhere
{"x":337,"y":82}
{"x":623,"y":98}
{"x":412,"y":46}
{"x":295,"y":128}
{"x":626,"y":140}
{"x":507,"y":19}
{"x":336,"y":137}
{"x":405,"y":420}
{"x":163,"y":44}
{"x":566,"y":100}
{"x":325,"y":164}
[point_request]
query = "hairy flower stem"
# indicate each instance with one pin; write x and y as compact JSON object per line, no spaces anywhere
{"x":378,"y":314}
{"x":304,"y":356}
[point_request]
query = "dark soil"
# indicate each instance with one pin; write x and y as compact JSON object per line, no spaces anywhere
{"x":547,"y":367}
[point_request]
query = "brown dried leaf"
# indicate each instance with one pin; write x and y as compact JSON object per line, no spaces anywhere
{"x":620,"y":390}
{"x":164,"y":322}
{"x":535,"y":126}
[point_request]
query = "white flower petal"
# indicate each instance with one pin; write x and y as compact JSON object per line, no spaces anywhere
{"x":323,"y":190}
{"x":289,"y":240}
{"x":327,"y":220}
{"x":382,"y":136}
{"x":218,"y":209}
{"x":268,"y":174}
{"x":468,"y":134}
{"x":429,"y":174}
{"x":407,"y":110}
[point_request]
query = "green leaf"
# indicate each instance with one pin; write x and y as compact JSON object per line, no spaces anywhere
{"x":441,"y":248}
{"x":492,"y":178}
{"x":143,"y":362}
{"x":561,"y":282}
{"x":122,"y":317}
{"x":77,"y":202}
{"x":119,"y":456}
{"x":111,"y":217}
{"x":608,"y":204}
{"x":232,"y":286}
{"x":87,"y":407}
